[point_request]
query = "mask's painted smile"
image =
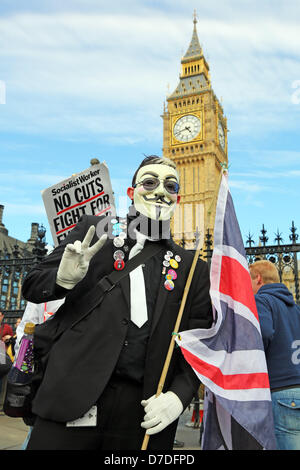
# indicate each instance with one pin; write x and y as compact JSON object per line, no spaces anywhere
{"x":158,"y":199}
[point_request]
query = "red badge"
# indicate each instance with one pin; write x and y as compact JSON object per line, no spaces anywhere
{"x":119,"y":264}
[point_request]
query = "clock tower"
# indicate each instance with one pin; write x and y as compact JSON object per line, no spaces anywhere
{"x":195,"y":138}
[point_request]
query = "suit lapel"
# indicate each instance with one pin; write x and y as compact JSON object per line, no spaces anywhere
{"x":124,"y":282}
{"x":125,"y":286}
{"x":160,"y":303}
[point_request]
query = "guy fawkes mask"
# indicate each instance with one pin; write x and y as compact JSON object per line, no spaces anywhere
{"x":155,"y":193}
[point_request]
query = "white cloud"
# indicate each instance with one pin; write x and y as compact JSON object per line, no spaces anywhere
{"x":106,"y":73}
{"x":98,"y":72}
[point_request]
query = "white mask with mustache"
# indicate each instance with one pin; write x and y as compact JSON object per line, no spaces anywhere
{"x":157,"y":204}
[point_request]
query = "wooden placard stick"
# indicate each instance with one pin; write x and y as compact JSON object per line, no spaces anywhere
{"x":172,"y":342}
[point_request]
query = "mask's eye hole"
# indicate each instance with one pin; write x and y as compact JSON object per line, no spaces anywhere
{"x":149,"y":184}
{"x":171,"y":186}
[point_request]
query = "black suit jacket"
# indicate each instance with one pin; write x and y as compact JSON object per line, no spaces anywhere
{"x":83,"y":359}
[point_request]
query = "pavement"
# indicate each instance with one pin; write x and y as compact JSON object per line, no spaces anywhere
{"x":13,"y":432}
{"x":189,"y":435}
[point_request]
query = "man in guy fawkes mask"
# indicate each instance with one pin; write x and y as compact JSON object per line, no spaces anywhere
{"x":98,"y":390}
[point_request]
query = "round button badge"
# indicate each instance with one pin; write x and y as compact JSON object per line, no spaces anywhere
{"x":173,"y":263}
{"x":173,"y":274}
{"x":169,"y":285}
{"x":119,"y":255}
{"x":118,"y":242}
{"x":119,"y":264}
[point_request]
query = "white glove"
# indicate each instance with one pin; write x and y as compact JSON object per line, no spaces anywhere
{"x":76,"y":259}
{"x":161,"y":411}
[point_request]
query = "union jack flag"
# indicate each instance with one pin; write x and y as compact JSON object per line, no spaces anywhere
{"x":229,"y":357}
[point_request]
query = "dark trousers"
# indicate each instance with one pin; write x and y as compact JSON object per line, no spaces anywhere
{"x":119,"y":417}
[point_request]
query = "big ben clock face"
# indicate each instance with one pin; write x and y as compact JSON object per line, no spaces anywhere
{"x":187,"y":128}
{"x":221,"y":135}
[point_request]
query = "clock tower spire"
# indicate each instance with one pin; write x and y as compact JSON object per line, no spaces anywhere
{"x":195,"y":137}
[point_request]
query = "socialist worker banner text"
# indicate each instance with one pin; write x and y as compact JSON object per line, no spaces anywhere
{"x":89,"y":192}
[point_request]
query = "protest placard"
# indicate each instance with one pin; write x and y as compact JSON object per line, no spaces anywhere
{"x":89,"y":192}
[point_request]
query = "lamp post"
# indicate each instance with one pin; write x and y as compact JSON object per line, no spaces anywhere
{"x":39,"y":247}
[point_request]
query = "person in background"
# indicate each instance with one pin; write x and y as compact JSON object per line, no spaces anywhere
{"x":280,"y":327}
{"x":10,"y":341}
{"x":6,"y":330}
{"x":37,"y":314}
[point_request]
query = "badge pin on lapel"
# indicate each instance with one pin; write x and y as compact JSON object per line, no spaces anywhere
{"x":119,"y":265}
{"x":171,"y":274}
{"x":119,"y":230}
{"x":119,"y":260}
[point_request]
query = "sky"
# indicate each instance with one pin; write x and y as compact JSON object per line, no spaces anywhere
{"x":83,"y":79}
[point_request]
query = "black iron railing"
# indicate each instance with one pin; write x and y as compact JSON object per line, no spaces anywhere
{"x":284,"y":256}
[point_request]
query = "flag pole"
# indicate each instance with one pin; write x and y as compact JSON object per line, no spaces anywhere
{"x":175,"y":332}
{"x":224,"y":168}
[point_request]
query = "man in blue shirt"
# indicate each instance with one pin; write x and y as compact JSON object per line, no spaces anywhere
{"x":280,"y":326}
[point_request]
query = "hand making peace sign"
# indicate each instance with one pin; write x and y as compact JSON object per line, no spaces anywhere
{"x":76,"y":259}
